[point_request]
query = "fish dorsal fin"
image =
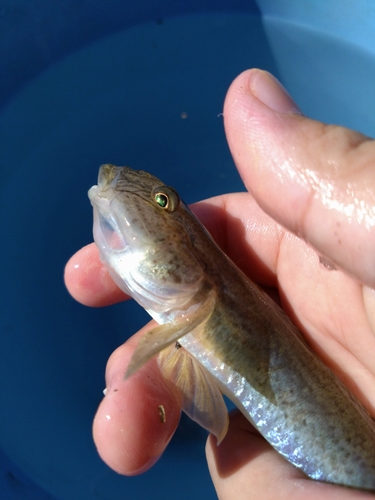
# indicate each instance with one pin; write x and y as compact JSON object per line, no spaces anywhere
{"x":164,"y":335}
{"x":202,"y":400}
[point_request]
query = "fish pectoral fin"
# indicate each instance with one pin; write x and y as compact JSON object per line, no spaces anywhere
{"x":202,"y":400}
{"x":163,"y":335}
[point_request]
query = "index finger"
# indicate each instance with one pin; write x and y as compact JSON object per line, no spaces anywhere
{"x":88,"y":280}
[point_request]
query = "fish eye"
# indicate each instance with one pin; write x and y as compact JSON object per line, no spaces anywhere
{"x":161,"y":200}
{"x":166,"y":197}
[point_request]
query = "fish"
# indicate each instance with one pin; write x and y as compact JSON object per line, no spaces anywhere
{"x":219,"y":333}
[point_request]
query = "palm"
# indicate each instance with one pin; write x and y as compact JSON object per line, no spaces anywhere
{"x":329,"y":308}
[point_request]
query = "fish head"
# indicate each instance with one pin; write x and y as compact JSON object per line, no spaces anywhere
{"x":143,"y":239}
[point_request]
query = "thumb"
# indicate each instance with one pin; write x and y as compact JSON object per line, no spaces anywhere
{"x":317,"y":180}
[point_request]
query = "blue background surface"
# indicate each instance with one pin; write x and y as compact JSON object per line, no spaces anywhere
{"x":90,"y":82}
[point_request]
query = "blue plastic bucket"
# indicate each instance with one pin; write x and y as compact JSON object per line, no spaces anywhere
{"x":137,"y":83}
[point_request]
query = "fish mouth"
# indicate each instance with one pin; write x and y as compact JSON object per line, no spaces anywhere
{"x":107,"y":180}
{"x":107,"y":234}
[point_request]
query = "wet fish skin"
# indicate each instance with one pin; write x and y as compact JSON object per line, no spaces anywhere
{"x":240,"y":342}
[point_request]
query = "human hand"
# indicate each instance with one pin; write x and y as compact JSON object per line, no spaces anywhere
{"x":316,"y":181}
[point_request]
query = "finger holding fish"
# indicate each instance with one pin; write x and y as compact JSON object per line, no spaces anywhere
{"x":88,"y":281}
{"x":137,"y":417}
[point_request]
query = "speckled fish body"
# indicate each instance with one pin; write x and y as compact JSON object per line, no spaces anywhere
{"x":232,"y":338}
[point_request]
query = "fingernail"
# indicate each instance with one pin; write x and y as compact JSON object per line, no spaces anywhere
{"x":267,"y":89}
